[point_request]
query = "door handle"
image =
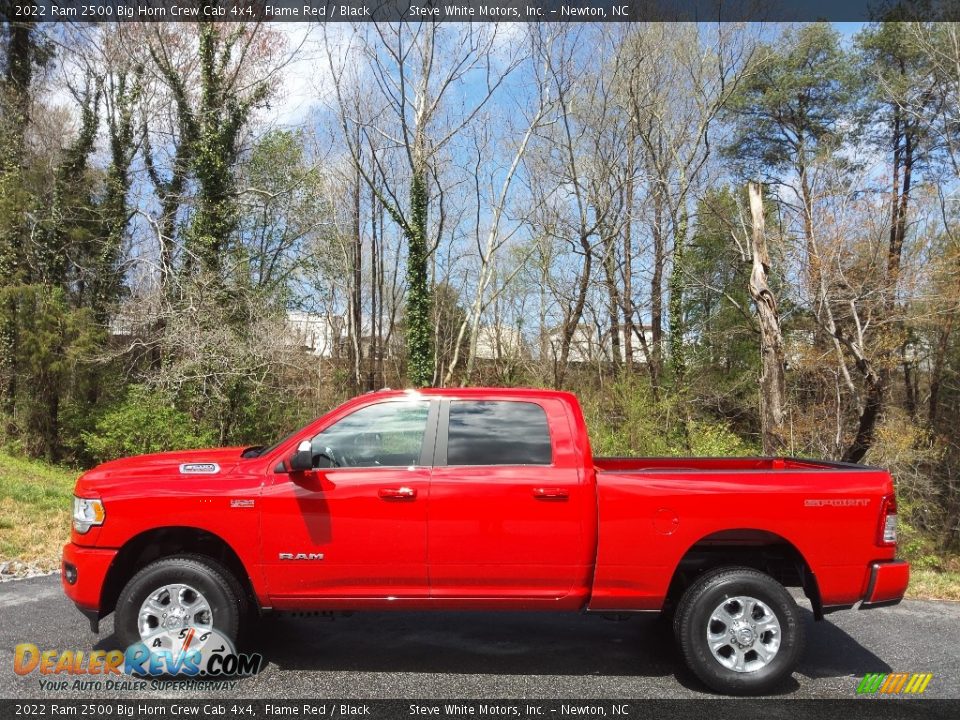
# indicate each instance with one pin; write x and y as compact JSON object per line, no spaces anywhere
{"x":551,"y":493}
{"x":397,"y":493}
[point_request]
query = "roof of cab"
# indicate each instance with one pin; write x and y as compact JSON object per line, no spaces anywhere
{"x":476,"y":392}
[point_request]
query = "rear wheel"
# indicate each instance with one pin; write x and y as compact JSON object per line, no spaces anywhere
{"x":179,"y":592}
{"x":739,"y":630}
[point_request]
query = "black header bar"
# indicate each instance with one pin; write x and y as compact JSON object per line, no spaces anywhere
{"x":482,"y":10}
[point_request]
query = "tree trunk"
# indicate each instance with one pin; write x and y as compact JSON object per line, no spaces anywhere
{"x":678,"y":362}
{"x":613,"y":295}
{"x":626,"y":298}
{"x":872,"y":408}
{"x":936,"y":371}
{"x":656,"y":292}
{"x":878,"y":380}
{"x":572,"y":321}
{"x":356,"y":295}
{"x":375,"y":334}
{"x":419,"y":314}
{"x":813,"y":257}
{"x":772,"y":381}
{"x":18,"y":75}
{"x":911,"y":391}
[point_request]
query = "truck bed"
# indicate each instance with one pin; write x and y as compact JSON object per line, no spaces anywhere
{"x":656,"y":510}
{"x":721,"y":464}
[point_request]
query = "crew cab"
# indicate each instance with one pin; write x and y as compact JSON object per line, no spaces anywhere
{"x":484,"y":499}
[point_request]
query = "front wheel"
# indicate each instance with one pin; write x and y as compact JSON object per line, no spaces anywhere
{"x":179,"y":592}
{"x":739,"y":630}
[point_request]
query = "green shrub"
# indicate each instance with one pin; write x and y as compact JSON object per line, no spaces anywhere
{"x":714,"y":439}
{"x":145,"y":421}
{"x":624,"y":419}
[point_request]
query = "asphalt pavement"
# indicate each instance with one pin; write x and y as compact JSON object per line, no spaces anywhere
{"x":474,"y":655}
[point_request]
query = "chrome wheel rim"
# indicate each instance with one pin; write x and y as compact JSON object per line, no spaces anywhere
{"x":743,"y":634}
{"x":172,"y":607}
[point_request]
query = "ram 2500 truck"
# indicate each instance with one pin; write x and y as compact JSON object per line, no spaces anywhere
{"x":484,"y":499}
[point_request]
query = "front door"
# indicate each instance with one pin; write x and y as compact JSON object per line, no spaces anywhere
{"x":356,"y":527}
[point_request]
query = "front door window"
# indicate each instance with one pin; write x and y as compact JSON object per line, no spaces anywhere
{"x":388,"y":434}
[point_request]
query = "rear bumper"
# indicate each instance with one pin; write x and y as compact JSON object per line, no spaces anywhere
{"x":83,"y":573}
{"x":888,"y":582}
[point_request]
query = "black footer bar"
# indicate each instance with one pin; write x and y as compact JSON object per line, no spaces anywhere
{"x":853,"y":709}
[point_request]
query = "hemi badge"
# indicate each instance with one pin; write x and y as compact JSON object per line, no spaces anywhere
{"x":199,"y":469}
{"x":241,"y":503}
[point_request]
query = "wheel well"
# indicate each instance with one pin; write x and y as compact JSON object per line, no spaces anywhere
{"x":165,"y":542}
{"x":759,"y":549}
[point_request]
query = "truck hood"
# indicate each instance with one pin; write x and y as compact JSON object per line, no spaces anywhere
{"x":180,"y":466}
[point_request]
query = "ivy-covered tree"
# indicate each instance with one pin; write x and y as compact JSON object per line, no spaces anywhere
{"x":212,"y":124}
{"x":23,"y":48}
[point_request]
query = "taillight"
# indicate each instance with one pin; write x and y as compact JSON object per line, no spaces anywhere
{"x":887,"y":533}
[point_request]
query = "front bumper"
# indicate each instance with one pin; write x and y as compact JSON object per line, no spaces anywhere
{"x":887,"y":585}
{"x":83,"y":574}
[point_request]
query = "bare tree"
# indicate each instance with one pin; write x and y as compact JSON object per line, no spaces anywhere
{"x":563,"y":175}
{"x":772,"y":381}
{"x":496,"y":238}
{"x":678,"y":82}
{"x":413,"y":68}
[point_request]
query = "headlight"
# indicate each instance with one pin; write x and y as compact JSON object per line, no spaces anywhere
{"x":86,"y":514}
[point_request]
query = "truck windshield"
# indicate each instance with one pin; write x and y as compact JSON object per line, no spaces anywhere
{"x":255,"y":451}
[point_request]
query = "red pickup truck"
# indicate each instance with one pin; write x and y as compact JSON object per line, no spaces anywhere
{"x":484,"y":499}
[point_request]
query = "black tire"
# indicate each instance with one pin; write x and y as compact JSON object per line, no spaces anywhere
{"x":693,"y":619}
{"x":218,"y":586}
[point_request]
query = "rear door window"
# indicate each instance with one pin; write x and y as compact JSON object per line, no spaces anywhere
{"x":498,"y":433}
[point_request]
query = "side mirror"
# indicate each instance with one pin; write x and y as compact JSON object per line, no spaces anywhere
{"x":325,"y":459}
{"x":302,"y":459}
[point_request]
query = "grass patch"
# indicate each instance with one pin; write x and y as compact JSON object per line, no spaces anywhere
{"x":934,"y":574}
{"x":934,"y":585}
{"x":35,"y":507}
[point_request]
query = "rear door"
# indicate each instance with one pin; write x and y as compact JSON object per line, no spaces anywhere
{"x":505,"y":514}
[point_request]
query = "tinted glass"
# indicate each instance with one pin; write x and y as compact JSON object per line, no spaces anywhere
{"x":387,"y":434}
{"x":498,"y":433}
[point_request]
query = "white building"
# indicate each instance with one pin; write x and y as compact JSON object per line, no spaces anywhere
{"x":320,"y":335}
{"x":497,"y":342}
{"x":590,"y":345}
